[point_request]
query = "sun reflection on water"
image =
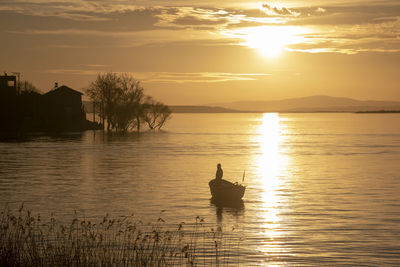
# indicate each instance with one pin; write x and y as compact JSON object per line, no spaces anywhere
{"x":271,"y":165}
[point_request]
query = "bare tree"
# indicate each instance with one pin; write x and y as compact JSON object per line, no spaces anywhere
{"x":26,"y":87}
{"x":120,"y":102}
{"x":155,"y":113}
{"x":100,"y":92}
{"x":118,"y":98}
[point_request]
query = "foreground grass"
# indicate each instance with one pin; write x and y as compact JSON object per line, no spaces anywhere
{"x":26,"y":240}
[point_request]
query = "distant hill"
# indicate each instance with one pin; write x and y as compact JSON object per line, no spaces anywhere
{"x":318,"y":103}
{"x":202,"y":109}
{"x":181,"y":109}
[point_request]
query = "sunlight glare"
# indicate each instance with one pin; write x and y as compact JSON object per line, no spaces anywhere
{"x":271,"y":164}
{"x":271,"y":40}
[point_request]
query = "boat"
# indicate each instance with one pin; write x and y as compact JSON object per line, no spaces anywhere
{"x":225,"y":190}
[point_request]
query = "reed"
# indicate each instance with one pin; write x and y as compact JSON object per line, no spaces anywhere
{"x":27,"y":240}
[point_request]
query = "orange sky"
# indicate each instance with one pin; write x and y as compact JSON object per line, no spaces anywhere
{"x":200,"y":52}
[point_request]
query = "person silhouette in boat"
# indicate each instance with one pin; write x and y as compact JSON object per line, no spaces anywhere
{"x":219,"y":173}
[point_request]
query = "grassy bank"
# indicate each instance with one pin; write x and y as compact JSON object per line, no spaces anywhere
{"x":28,"y":240}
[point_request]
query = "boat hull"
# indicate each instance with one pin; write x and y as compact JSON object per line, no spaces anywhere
{"x":225,"y":190}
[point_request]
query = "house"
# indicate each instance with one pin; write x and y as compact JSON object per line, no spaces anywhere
{"x":9,"y":112}
{"x":8,"y":84}
{"x":59,"y":110}
{"x":64,"y":108}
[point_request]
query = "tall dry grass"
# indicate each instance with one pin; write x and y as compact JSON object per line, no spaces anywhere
{"x":27,"y":240}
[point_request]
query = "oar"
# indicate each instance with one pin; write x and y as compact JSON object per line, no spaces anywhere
{"x":244,"y":173}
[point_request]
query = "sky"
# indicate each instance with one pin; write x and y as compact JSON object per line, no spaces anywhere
{"x":203,"y":52}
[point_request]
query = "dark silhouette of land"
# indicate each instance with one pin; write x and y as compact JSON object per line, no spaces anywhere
{"x":118,"y":100}
{"x":312,"y":104}
{"x":204,"y":109}
{"x":23,"y":109}
{"x":319,"y":103}
{"x":183,"y":109}
{"x":379,"y":111}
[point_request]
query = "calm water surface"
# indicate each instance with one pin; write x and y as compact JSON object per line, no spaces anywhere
{"x":322,"y":189}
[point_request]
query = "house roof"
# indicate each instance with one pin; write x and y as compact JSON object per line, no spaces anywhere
{"x":63,"y":89}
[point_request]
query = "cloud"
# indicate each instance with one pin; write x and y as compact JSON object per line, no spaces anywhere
{"x":198,"y":77}
{"x":279,"y":11}
{"x":72,"y":71}
{"x":70,"y":37}
{"x":336,"y":27}
{"x":60,"y":8}
{"x":349,"y":14}
{"x":352,"y":39}
{"x":173,"y":77}
{"x":192,"y":17}
{"x":128,"y":20}
{"x":193,"y":20}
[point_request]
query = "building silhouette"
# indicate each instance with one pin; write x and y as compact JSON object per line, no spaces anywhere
{"x":66,"y":108}
{"x":8,"y":83}
{"x":9,"y":111}
{"x":59,"y":110}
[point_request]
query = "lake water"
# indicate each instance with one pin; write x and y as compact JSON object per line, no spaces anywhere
{"x":322,"y":189}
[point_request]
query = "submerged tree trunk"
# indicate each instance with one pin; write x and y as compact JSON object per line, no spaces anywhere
{"x":102,"y":114}
{"x":138,"y":124}
{"x":94,"y":111}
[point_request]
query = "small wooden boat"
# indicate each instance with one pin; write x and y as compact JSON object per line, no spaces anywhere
{"x":225,"y":190}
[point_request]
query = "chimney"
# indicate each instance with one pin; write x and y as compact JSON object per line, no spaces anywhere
{"x":55,"y":85}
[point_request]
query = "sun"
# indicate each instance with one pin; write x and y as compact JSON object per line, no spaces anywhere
{"x":271,"y":41}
